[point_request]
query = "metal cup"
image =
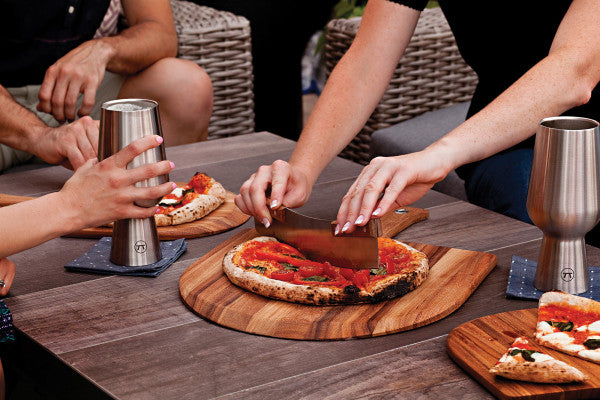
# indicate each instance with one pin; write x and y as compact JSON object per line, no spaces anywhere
{"x":563,"y":199}
{"x":135,"y":241}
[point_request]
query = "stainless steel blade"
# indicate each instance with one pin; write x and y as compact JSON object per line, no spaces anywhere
{"x":315,"y":238}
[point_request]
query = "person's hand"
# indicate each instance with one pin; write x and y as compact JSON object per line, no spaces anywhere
{"x":7,"y":274}
{"x":70,"y":145}
{"x":79,"y":71}
{"x":402,"y":180}
{"x":288,"y":186}
{"x":101,"y":192}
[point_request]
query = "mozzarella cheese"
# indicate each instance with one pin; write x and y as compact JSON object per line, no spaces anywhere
{"x":178,"y":192}
{"x":169,"y":201}
{"x":594,"y":328}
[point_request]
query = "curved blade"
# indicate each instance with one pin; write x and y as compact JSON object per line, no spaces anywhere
{"x":315,"y":238}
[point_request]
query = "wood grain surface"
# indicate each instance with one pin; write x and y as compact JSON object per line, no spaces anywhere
{"x":477,"y":345}
{"x":454,"y":275}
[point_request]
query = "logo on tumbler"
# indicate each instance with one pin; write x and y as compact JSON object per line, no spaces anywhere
{"x":567,"y":274}
{"x":140,"y":246}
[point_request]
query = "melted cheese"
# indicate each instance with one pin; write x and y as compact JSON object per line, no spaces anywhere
{"x":594,"y":328}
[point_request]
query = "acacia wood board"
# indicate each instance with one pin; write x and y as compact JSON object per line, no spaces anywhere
{"x":227,"y":216}
{"x":454,"y":275}
{"x":477,"y":345}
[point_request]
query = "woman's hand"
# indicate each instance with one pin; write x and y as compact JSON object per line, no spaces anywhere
{"x":402,"y":180}
{"x":101,"y":192}
{"x":7,"y":274}
{"x":288,"y":186}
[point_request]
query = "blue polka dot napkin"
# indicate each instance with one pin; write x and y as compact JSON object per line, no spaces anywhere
{"x":96,"y":260}
{"x":522,"y":273}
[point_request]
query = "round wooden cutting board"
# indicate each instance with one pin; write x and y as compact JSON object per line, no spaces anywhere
{"x":227,"y":216}
{"x":454,"y":275}
{"x":477,"y":345}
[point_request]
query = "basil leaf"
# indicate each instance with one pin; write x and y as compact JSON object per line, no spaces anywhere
{"x":526,"y":354}
{"x":315,"y":278}
{"x":592,"y":344}
{"x":289,"y":266}
{"x":260,"y":269}
{"x":562,"y":326}
{"x":381,"y":270}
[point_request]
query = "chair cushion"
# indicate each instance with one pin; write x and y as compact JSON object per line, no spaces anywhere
{"x":419,"y":132}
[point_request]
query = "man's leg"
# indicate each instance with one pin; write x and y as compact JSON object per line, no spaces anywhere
{"x":184,"y":94}
{"x":499,"y":183}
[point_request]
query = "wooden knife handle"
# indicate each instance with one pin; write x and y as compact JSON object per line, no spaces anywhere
{"x":397,"y":220}
{"x":9,"y":199}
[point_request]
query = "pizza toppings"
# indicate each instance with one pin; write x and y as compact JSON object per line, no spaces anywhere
{"x":522,"y":362}
{"x":287,"y":274}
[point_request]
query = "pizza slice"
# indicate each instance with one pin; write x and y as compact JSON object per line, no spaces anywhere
{"x":273,"y":269}
{"x":570,"y":324}
{"x":190,"y":202}
{"x":522,"y":362}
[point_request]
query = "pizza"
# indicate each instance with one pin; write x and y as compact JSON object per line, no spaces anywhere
{"x":522,"y":362}
{"x":570,"y":324}
{"x":276,"y":270}
{"x":190,"y":202}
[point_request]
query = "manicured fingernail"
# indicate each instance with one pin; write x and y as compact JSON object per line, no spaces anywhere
{"x":274,"y":203}
{"x":346,"y":226}
{"x":159,"y":139}
{"x":376,"y":212}
{"x":359,"y":220}
{"x":172,"y":164}
{"x":337,"y":230}
{"x":157,"y":210}
{"x":174,"y":185}
{"x":266,"y":222}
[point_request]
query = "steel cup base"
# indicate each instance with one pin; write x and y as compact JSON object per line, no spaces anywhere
{"x":562,"y":266}
{"x":135,"y":242}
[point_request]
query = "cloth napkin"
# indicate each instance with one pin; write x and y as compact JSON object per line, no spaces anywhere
{"x":96,"y":260}
{"x":522,"y":272}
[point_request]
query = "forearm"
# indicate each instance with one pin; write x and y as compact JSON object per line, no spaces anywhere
{"x":19,"y":127}
{"x":28,"y":224}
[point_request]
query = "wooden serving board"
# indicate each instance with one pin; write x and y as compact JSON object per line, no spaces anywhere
{"x":454,"y":275}
{"x":227,"y":216}
{"x":477,"y":345}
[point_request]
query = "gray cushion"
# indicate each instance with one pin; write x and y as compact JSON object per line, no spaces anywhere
{"x":417,"y":133}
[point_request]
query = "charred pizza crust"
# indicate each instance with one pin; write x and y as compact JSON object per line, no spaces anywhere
{"x":570,"y":333}
{"x":389,"y":287}
{"x":521,"y":362}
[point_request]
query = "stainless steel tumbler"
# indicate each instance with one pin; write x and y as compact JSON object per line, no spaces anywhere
{"x":563,"y":199}
{"x":135,"y":241}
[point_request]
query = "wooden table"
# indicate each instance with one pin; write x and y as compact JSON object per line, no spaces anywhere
{"x":93,"y":336}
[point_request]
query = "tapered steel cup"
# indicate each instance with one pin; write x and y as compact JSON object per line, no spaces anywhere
{"x":135,"y":241}
{"x":563,"y":199}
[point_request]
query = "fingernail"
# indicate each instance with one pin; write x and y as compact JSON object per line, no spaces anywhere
{"x":274,"y":203}
{"x":159,"y":139}
{"x":266,"y":222}
{"x":376,"y":212}
{"x":337,"y":230}
{"x":172,"y":164}
{"x":174,"y":185}
{"x":157,"y":210}
{"x":359,"y":220}
{"x":346,"y":226}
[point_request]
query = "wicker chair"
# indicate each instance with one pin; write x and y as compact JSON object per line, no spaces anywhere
{"x":219,"y":42}
{"x":430,"y":76}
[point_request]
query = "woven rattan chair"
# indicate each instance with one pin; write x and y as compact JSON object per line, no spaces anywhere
{"x":430,"y":76}
{"x":220,"y":43}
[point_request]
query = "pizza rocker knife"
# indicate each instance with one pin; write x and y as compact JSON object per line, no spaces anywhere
{"x":315,"y":237}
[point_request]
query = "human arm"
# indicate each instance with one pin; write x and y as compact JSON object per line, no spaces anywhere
{"x":562,"y":80}
{"x":70,"y":145}
{"x":151,"y":36}
{"x":353,"y":89}
{"x":98,"y":193}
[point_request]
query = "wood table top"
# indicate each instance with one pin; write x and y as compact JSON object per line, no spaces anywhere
{"x":133,"y":337}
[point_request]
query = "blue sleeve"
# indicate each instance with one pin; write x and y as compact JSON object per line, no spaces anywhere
{"x":418,"y":5}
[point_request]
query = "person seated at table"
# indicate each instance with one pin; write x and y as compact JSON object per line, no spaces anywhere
{"x":58,"y":62}
{"x":96,"y":194}
{"x":533,"y":59}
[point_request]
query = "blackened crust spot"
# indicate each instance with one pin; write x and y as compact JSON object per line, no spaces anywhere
{"x":351,"y":289}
